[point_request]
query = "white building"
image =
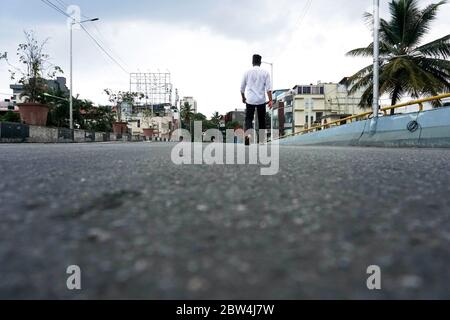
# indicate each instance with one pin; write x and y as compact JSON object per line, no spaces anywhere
{"x":309,"y":105}
{"x":192,"y":102}
{"x":163,"y":124}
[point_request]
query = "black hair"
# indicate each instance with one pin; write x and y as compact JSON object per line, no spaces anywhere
{"x":257,"y":60}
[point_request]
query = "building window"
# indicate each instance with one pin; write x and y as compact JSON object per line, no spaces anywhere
{"x":306,"y":90}
{"x":307,"y":120}
{"x":289,"y":117}
{"x":317,"y":90}
{"x":319,"y":116}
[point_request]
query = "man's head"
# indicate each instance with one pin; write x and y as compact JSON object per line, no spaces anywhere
{"x":257,"y":60}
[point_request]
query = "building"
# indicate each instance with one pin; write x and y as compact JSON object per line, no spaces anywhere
{"x":237,"y":116}
{"x":191,"y":101}
{"x":163,"y":123}
{"x":7,"y":106}
{"x":53,"y":85}
{"x":310,"y":105}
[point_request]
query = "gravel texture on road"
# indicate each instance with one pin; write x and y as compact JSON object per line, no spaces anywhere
{"x":141,"y":227}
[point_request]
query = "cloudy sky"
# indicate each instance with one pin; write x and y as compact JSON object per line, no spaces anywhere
{"x":205,"y":44}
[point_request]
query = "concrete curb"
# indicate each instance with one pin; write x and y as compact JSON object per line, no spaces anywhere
{"x":427,"y":129}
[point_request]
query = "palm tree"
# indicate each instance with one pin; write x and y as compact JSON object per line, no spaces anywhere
{"x":407,"y":67}
{"x":187,"y":113}
{"x":215,"y":119}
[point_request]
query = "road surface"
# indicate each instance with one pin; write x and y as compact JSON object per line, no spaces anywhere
{"x":141,"y":227}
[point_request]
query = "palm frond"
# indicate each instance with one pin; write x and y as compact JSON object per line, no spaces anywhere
{"x":437,"y":48}
{"x":385,"y":50}
{"x":405,"y":69}
{"x":403,"y":13}
{"x":422,"y":23}
{"x":361,"y":52}
{"x":386,"y":34}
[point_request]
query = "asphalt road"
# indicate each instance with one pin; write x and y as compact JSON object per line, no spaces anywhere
{"x":141,"y":227}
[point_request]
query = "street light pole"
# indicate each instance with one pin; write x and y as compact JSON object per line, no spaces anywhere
{"x":71,"y":67}
{"x":376,"y":60}
{"x":271,"y":111}
{"x":71,"y":77}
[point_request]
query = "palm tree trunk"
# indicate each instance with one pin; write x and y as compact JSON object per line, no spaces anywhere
{"x":394,"y":98}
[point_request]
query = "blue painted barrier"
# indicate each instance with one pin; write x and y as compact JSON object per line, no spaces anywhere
{"x":419,"y":129}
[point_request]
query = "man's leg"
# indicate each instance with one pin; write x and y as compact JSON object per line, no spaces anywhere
{"x":262,"y":121}
{"x":249,"y":117}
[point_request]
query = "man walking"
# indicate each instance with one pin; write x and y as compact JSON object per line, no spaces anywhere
{"x":255,"y":85}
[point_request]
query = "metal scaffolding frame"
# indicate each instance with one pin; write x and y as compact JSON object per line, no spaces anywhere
{"x":156,"y":88}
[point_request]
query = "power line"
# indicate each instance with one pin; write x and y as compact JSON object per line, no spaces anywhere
{"x":55,"y":7}
{"x":65,"y":4}
{"x":103,"y":40}
{"x":104,"y":50}
{"x":305,"y":12}
{"x":99,"y":33}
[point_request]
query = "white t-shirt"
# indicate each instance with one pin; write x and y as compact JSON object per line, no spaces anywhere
{"x":255,"y":84}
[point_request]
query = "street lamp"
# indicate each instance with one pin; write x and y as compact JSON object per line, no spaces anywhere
{"x":272,"y":111}
{"x":71,"y":66}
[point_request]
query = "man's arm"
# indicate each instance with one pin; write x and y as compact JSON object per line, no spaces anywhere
{"x":244,"y":99}
{"x":243,"y":87}
{"x":269,"y":90}
{"x":269,"y":94}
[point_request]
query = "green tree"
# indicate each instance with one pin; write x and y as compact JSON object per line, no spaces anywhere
{"x":234,"y":125}
{"x":98,"y":119}
{"x":407,"y":67}
{"x":86,"y":115}
{"x":215,"y":119}
{"x":10,"y":117}
{"x":58,"y":114}
{"x":119,"y":97}
{"x":187,"y":115}
{"x":200,"y":117}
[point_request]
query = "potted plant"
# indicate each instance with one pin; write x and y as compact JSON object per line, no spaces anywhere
{"x":119,"y":99}
{"x":32,"y":76}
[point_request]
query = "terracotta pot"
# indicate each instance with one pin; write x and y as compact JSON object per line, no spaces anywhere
{"x":148,"y":133}
{"x":120,"y":128}
{"x":34,"y":114}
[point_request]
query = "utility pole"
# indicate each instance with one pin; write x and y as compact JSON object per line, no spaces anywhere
{"x":272,"y":110}
{"x":376,"y":61}
{"x":71,"y":78}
